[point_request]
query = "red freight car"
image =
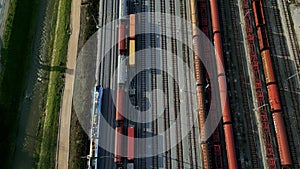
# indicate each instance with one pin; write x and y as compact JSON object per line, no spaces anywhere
{"x":267,"y":65}
{"x":230,"y":149}
{"x":224,"y":98}
{"x":262,"y":38}
{"x":122,"y":37}
{"x":120,"y":105}
{"x":273,"y":94}
{"x":199,"y":80}
{"x":228,"y":130}
{"x":118,"y":144}
{"x":218,"y":156}
{"x":205,"y":155}
{"x":130,"y":144}
{"x":273,"y":97}
{"x":282,"y":139}
{"x":258,"y":13}
{"x":132,"y":26}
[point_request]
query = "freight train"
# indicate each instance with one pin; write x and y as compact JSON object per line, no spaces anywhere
{"x":270,"y":80}
{"x":227,"y":123}
{"x":259,"y":89}
{"x":215,"y":140}
{"x":126,"y":49}
{"x":199,"y":83}
{"x":94,"y":132}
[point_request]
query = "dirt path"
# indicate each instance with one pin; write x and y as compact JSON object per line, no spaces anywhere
{"x":65,"y":114}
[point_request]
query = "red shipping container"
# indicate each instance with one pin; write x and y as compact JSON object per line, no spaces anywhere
{"x":120,"y":105}
{"x":118,"y":144}
{"x":130,"y":144}
{"x":132,"y":26}
{"x":122,"y":37}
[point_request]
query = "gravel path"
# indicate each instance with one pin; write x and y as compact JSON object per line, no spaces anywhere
{"x":65,"y":114}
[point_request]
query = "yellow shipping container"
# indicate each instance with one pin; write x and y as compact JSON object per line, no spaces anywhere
{"x":132,"y":53}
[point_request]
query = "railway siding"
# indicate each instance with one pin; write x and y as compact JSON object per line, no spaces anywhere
{"x":239,"y":85}
{"x":184,"y":152}
{"x":283,"y":52}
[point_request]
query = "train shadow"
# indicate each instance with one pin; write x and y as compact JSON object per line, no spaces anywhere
{"x":61,"y":69}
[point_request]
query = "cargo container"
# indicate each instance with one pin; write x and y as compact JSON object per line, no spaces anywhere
{"x":132,"y":26}
{"x":130,"y":144}
{"x":281,"y":139}
{"x":273,"y":93}
{"x":267,"y":65}
{"x":218,"y":159}
{"x":273,"y":97}
{"x":132,"y":53}
{"x":118,"y":144}
{"x":122,"y":37}
{"x":122,"y":69}
{"x":258,"y":13}
{"x":120,"y":105}
{"x":227,"y":123}
{"x":262,"y":38}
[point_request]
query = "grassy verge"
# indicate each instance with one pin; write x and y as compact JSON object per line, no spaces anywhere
{"x":16,"y":57}
{"x":49,"y":53}
{"x":47,"y":151}
{"x":78,"y":137}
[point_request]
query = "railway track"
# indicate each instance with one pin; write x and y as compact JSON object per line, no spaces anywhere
{"x":153,"y":84}
{"x":216,"y":153}
{"x":246,"y":133}
{"x":288,"y":68}
{"x":268,"y":133}
{"x":167,"y":159}
{"x":187,"y":59}
{"x":179,"y":150}
{"x":105,"y":80}
{"x":223,"y":103}
{"x":142,"y":81}
{"x":290,"y":31}
{"x":199,"y":79}
{"x":284,"y":68}
{"x":106,"y":70}
{"x":170,"y":87}
{"x":102,"y":78}
{"x":194,"y":136}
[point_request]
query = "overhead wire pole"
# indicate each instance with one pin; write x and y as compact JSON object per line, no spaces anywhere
{"x":97,"y":25}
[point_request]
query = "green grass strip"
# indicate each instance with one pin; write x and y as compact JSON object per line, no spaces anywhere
{"x":47,"y":153}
